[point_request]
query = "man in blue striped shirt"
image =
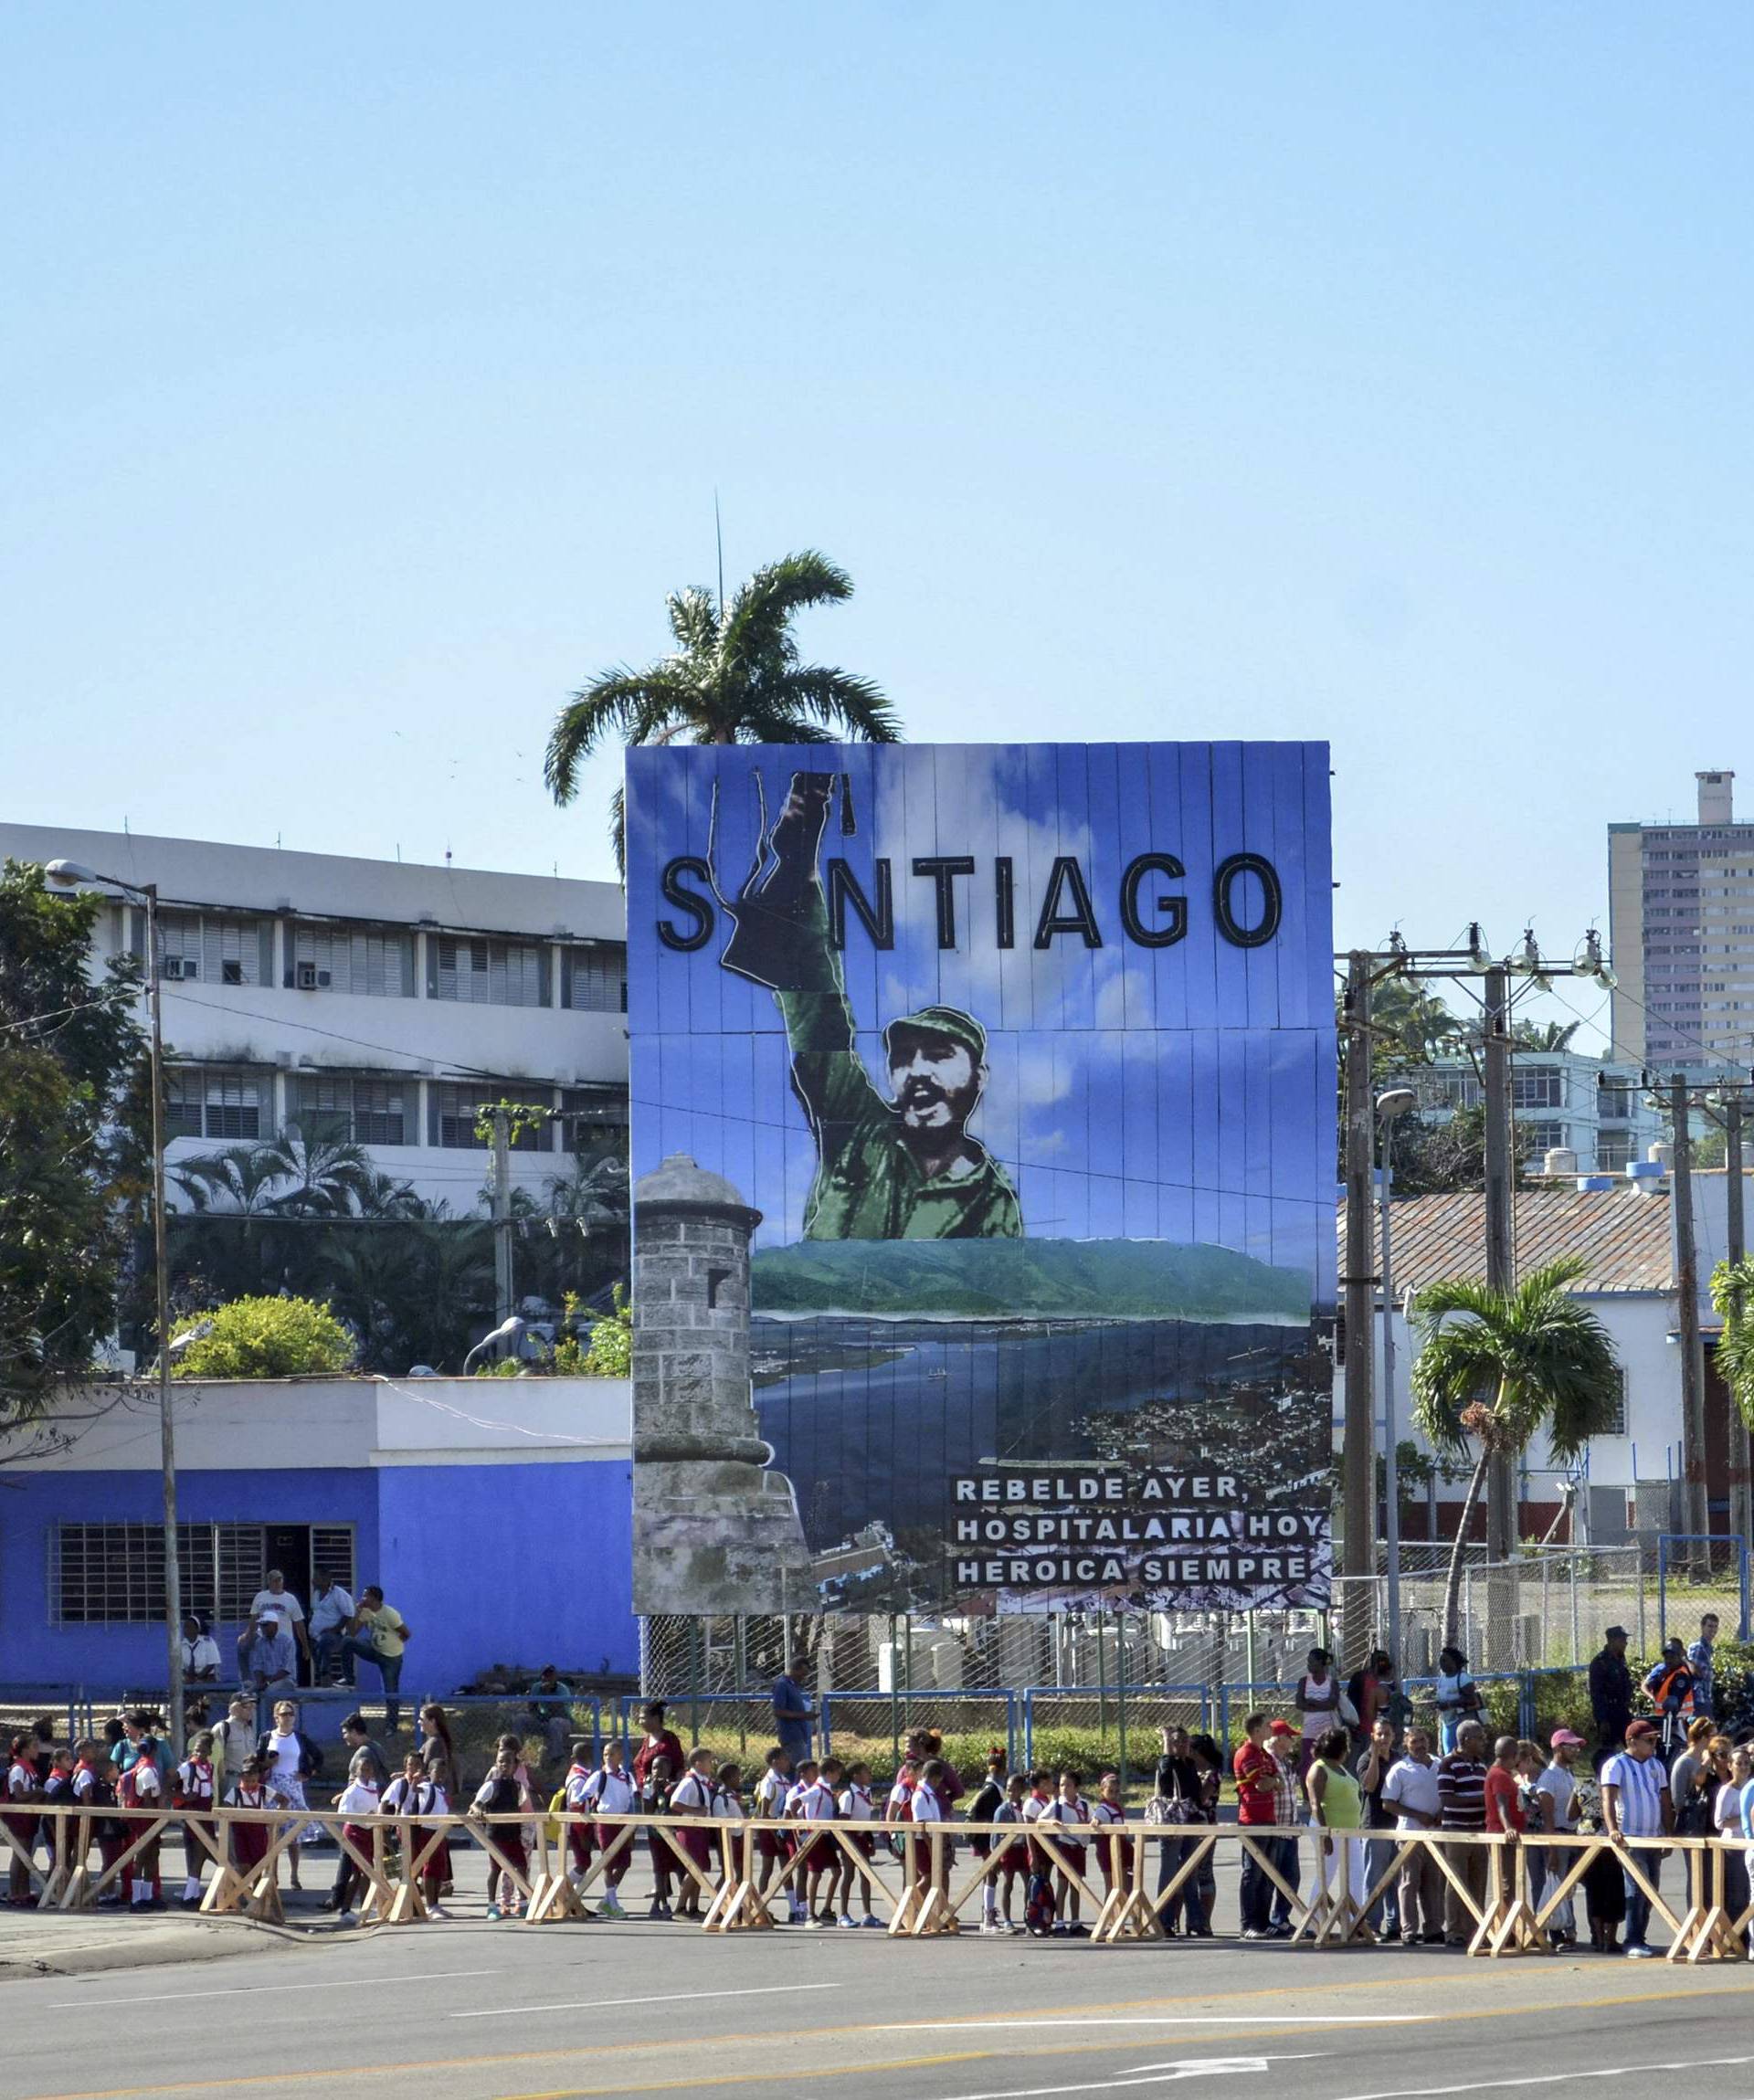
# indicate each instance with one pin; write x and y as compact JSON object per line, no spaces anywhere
{"x":1635,"y":1804}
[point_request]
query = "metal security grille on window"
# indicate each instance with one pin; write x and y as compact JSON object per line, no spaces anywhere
{"x":594,"y":1118}
{"x":114,"y":1573}
{"x":491,"y":973}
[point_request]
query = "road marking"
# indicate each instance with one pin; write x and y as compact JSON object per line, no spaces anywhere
{"x":1520,"y":2079}
{"x":87,"y":2003}
{"x":1168,"y":2020}
{"x":669,"y":1998}
{"x":1155,"y":2074}
{"x":1290,"y":2023}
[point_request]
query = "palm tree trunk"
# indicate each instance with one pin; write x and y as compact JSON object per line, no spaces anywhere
{"x":1452,"y":1582}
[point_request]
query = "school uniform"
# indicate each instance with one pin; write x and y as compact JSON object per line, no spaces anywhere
{"x":814,"y":1804}
{"x":611,"y":1794}
{"x":770,"y":1805}
{"x":980,"y":1810}
{"x":500,"y":1794}
{"x":692,"y":1796}
{"x":57,"y":1831}
{"x":856,"y":1807}
{"x":358,"y":1798}
{"x":194,"y":1790}
{"x":141,"y":1787}
{"x":579,"y":1846}
{"x":1106,"y":1816}
{"x":21,"y":1786}
{"x":422,"y":1797}
{"x":248,"y":1841}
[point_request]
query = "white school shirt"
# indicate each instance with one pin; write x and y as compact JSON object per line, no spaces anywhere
{"x":21,"y":1781}
{"x":691,"y":1796}
{"x":1065,"y":1813}
{"x":901,"y":1796}
{"x":928,"y":1808}
{"x":1034,"y":1808}
{"x":146,"y":1780}
{"x":612,"y":1792}
{"x":578,"y":1780}
{"x":855,"y":1804}
{"x":196,"y":1781}
{"x":770,"y":1794}
{"x":816,"y":1802}
{"x":358,"y":1798}
{"x":424,"y":1797}
{"x":727,"y":1804}
{"x":84,"y":1779}
{"x":1105,"y":1812}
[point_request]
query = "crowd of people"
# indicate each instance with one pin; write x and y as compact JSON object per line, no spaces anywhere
{"x":1338,"y":1782}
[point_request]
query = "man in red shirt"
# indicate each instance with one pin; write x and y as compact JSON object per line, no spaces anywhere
{"x":1504,"y":1805}
{"x":1257,"y":1796}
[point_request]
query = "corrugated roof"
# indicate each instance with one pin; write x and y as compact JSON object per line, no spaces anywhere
{"x":1621,"y":1234}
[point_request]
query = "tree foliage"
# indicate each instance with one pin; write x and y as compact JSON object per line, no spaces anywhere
{"x":74,"y":1108}
{"x":1732,"y":1292}
{"x":1494,"y":1367}
{"x":267,"y":1338}
{"x":734,"y":677}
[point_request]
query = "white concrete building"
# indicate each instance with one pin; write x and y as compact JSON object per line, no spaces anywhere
{"x":1681,"y":925}
{"x":1585,"y":1105}
{"x":375,"y":1000}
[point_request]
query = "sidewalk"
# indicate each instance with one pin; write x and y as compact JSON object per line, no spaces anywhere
{"x":78,"y":1943}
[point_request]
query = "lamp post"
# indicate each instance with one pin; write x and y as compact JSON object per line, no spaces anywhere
{"x":69,"y":873}
{"x":1391,"y":1107}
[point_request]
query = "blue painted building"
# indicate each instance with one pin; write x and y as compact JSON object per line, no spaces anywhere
{"x":495,"y":1515}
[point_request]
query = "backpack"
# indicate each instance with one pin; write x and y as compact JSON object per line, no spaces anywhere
{"x":1037,"y":1903}
{"x":982,"y":1808}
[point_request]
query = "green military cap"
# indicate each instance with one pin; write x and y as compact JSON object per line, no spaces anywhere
{"x":950,"y":1021}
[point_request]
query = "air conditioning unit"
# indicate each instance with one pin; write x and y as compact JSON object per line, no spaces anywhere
{"x":177,"y":966}
{"x":231,"y":973}
{"x":307,"y":976}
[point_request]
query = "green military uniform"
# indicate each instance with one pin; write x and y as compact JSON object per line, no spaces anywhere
{"x":867,"y":1184}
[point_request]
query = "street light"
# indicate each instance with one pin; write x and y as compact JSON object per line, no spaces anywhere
{"x":70,"y":874}
{"x":511,"y":1329}
{"x":1391,"y":1106}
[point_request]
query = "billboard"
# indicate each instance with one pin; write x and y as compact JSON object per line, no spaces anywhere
{"x":1025,"y":1057}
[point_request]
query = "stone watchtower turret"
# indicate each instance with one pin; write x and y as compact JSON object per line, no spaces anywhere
{"x":714,"y":1531}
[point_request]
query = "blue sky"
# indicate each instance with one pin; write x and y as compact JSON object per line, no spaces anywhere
{"x":1377,"y":374}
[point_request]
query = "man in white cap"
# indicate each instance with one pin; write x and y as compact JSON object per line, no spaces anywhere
{"x":1556,"y":1795}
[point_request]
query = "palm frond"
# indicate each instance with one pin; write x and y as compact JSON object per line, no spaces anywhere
{"x":857,"y":707}
{"x":756,"y":630}
{"x":694,"y":615}
{"x":605,"y":708}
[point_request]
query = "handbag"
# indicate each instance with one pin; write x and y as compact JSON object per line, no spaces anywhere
{"x":1345,"y":1711}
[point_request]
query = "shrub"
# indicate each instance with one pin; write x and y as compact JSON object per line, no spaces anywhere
{"x":268,"y":1338}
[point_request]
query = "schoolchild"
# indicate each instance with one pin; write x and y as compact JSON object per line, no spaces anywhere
{"x":21,"y":1786}
{"x":195,"y":1790}
{"x":1014,"y":1853}
{"x":250,"y":1840}
{"x":899,"y":1807}
{"x":981,"y":1809}
{"x":358,"y":1798}
{"x":771,"y":1791}
{"x":503,"y":1793}
{"x":415,"y":1793}
{"x":692,"y":1796}
{"x":1106,"y":1812}
{"x":59,"y":1831}
{"x":610,"y":1792}
{"x":1070,"y":1812}
{"x":727,"y":1808}
{"x":571,"y":1797}
{"x":818,"y":1804}
{"x":856,"y":1807}
{"x":654,"y":1800}
{"x":142,"y":1787}
{"x":798,"y":1847}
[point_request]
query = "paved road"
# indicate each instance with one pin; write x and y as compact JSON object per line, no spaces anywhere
{"x":473,"y":2011}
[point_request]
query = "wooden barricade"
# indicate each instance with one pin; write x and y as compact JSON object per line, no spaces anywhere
{"x":921,"y":1894}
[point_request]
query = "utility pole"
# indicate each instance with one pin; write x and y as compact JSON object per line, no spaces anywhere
{"x":1695,"y":1515}
{"x":1741,"y":1503}
{"x":502,"y":1214}
{"x":1357,"y":1461}
{"x":1502,"y":1525}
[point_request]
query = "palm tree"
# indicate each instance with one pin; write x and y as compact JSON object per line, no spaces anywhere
{"x":241,"y":1178}
{"x":1547,"y":1036}
{"x":733,"y":679}
{"x":329,"y":1177}
{"x":1497,"y":1365}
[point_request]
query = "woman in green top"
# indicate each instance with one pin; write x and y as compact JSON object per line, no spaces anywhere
{"x":1334,"y":1805}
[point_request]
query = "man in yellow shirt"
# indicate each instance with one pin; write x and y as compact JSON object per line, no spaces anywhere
{"x":378,"y":1635}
